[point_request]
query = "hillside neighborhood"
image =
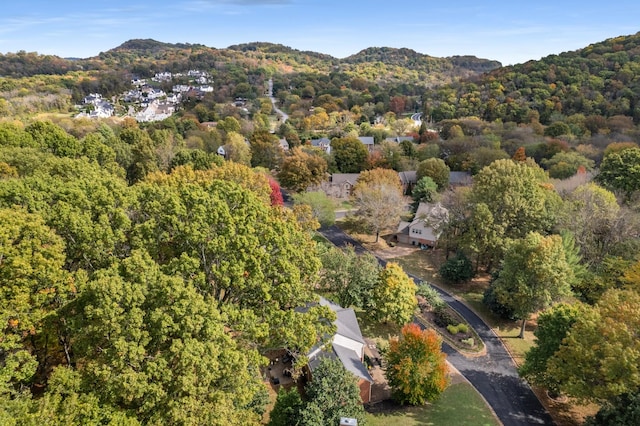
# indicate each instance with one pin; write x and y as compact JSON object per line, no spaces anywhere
{"x":259,"y":235}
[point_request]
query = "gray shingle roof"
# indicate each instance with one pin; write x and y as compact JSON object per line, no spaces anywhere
{"x":346,"y":326}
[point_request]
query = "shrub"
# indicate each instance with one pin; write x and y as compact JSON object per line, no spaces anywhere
{"x":442,"y":317}
{"x":469,"y":341}
{"x":455,"y":329}
{"x":457,"y":269}
{"x":431,"y":295}
{"x":489,"y":299}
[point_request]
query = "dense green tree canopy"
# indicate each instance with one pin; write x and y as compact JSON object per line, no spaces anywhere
{"x":437,"y":170}
{"x":518,"y":196}
{"x":553,"y":326}
{"x":350,"y":154}
{"x":322,"y":207}
{"x":236,"y":248}
{"x":86,"y":205}
{"x":299,"y":170}
{"x":333,"y":393}
{"x":350,"y":277}
{"x":534,"y":274}
{"x":154,"y":346}
{"x":621,"y":171}
{"x":33,"y":284}
{"x":599,"y":360}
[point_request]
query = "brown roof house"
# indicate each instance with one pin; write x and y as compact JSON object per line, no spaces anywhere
{"x":425,"y":228}
{"x":339,"y":185}
{"x":346,"y":345}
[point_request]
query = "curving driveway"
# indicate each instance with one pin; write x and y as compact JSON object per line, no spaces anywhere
{"x":494,"y":375}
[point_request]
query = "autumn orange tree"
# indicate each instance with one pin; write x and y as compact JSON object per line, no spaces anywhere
{"x":416,"y":368}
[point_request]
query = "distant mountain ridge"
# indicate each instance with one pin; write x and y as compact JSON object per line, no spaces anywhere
{"x":284,"y":58}
{"x":601,"y":79}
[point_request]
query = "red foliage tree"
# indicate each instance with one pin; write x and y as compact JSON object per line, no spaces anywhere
{"x":276,"y":193}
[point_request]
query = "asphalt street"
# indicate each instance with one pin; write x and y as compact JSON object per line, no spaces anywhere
{"x":494,"y":375}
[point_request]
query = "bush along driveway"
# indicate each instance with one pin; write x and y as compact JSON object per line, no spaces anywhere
{"x":494,"y":374}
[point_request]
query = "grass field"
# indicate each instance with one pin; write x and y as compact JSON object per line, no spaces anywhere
{"x":459,"y":405}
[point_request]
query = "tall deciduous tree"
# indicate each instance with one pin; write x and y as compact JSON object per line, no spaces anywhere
{"x":599,"y":359}
{"x":416,"y":367}
{"x":152,"y":345}
{"x":350,"y":277}
{"x":534,"y":274}
{"x":84,"y":204}
{"x":518,"y":196}
{"x":553,"y":326}
{"x":265,"y":150}
{"x":299,"y":170}
{"x":350,"y":154}
{"x":33,"y":284}
{"x":286,"y":411}
{"x":237,"y":149}
{"x":484,"y":237}
{"x":394,"y":298}
{"x":332,"y":393}
{"x":233,"y":246}
{"x":437,"y":170}
{"x":593,"y":216}
{"x":378,"y":197}
{"x":621,"y":171}
{"x":322,"y":207}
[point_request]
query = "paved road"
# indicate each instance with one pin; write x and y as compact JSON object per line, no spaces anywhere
{"x":417,"y":118}
{"x":284,"y":115}
{"x":493,"y":375}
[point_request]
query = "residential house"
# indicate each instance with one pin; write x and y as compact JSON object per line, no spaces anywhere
{"x":398,"y":139}
{"x":322,"y":143}
{"x":92,"y":98}
{"x":202,"y":80}
{"x":346,"y":345}
{"x":181,"y":88}
{"x":457,"y":179}
{"x":162,"y":76}
{"x":339,"y":185}
{"x":408,"y":181}
{"x":101,"y":108}
{"x":425,"y":228}
{"x":367,"y":141}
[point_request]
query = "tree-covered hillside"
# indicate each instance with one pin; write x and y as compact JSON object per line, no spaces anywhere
{"x":601,"y":79}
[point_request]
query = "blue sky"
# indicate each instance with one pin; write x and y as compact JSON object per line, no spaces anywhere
{"x":508,"y":31}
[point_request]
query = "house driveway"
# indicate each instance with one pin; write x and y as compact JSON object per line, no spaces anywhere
{"x":494,"y":375}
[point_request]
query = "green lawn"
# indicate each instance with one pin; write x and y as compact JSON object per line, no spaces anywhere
{"x":458,"y":405}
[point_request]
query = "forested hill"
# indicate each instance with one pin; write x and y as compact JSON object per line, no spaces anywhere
{"x":145,"y":56}
{"x":411,"y":59}
{"x":601,"y":79}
